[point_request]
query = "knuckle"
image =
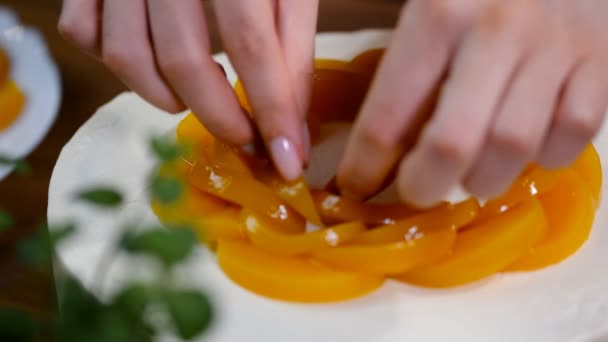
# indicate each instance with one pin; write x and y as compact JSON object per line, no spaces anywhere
{"x":441,"y":12}
{"x":581,"y":125}
{"x":251,"y":43}
{"x":378,"y":136}
{"x":117,"y":59}
{"x":516,"y":144}
{"x":451,"y":150}
{"x":73,"y":30}
{"x":177,"y":65}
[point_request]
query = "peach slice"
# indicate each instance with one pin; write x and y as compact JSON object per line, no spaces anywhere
{"x":451,"y":216}
{"x":295,"y":193}
{"x":245,"y":191}
{"x":367,"y":62}
{"x":264,"y":235}
{"x":12,"y":102}
{"x":533,"y":182}
{"x":391,"y":258}
{"x":589,"y":167}
{"x":292,"y":279}
{"x":486,"y":248}
{"x":334,"y":208}
{"x":569,"y":209}
{"x":190,"y":131}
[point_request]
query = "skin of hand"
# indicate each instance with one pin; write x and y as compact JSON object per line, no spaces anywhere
{"x":160,"y":49}
{"x":515,"y":82}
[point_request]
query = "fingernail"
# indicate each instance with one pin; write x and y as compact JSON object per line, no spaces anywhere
{"x":306,"y":135}
{"x":286,"y":158}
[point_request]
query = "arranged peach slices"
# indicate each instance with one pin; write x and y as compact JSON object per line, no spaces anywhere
{"x":286,"y":241}
{"x":12,"y":99}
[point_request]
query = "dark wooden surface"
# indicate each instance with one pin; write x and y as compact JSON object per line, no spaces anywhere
{"x":87,"y":85}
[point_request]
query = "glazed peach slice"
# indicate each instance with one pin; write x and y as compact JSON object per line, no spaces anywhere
{"x":295,"y":193}
{"x":452,"y":216}
{"x":533,"y":182}
{"x":391,"y":258}
{"x":486,"y":248}
{"x":12,"y":102}
{"x":243,"y":190}
{"x":589,"y":167}
{"x":334,"y":208}
{"x":569,"y":209}
{"x":332,"y":64}
{"x":264,"y":235}
{"x":294,"y":279}
{"x":367,"y":62}
{"x":190,"y":131}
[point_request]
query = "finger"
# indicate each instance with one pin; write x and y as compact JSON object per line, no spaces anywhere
{"x":453,"y":138}
{"x":580,"y":113}
{"x":127,"y":51}
{"x":519,"y":129}
{"x":297,"y":26}
{"x":411,"y":67}
{"x":182,"y":50}
{"x":248,"y":31}
{"x":80,"y":23}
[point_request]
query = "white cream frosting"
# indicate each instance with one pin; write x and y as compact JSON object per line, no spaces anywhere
{"x":567,"y":302}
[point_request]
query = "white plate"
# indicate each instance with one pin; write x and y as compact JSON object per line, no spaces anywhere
{"x":568,"y":302}
{"x":34,"y":71}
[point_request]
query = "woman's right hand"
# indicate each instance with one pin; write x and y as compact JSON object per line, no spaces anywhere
{"x":160,"y":49}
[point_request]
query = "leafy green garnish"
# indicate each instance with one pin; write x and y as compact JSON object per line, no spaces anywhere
{"x":170,"y":246}
{"x":190,"y":312}
{"x":101,"y":197}
{"x":16,"y":325}
{"x":166,"y":149}
{"x":6,"y":220}
{"x":21,"y":167}
{"x":166,"y":189}
{"x":36,"y":250}
{"x":58,"y":233}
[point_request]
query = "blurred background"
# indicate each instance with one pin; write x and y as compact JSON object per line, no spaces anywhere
{"x":87,"y":85}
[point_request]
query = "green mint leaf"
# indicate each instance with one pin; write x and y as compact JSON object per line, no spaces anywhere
{"x":190,"y":311}
{"x":59,"y":233}
{"x":165,"y":149}
{"x":22,"y":168}
{"x":133,"y":299}
{"x":165,"y":189}
{"x":113,"y":327}
{"x":101,"y":197}
{"x":16,"y":325}
{"x":170,"y":246}
{"x":36,"y":250}
{"x":4,"y":160}
{"x":79,"y":308}
{"x":6,"y":220}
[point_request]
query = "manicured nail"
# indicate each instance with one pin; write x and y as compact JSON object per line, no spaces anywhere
{"x":286,"y":158}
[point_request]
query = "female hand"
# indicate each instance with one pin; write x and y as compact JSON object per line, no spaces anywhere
{"x":520,"y":81}
{"x":160,"y":49}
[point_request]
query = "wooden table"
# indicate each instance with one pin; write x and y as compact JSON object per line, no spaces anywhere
{"x":87,"y":85}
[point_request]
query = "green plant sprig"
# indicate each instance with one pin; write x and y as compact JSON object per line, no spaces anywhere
{"x":125,"y":316}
